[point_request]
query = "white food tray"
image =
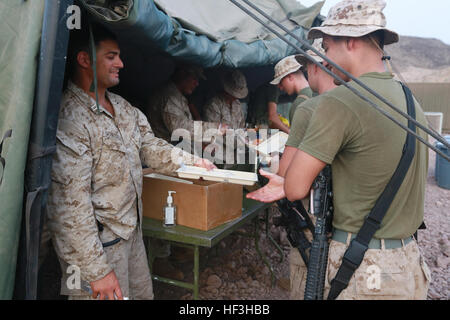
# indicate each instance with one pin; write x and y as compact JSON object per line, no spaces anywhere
{"x":229,"y":176}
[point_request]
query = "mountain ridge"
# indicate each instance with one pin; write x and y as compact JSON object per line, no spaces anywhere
{"x":421,"y":59}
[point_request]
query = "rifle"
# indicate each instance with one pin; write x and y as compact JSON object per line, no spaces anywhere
{"x":295,"y":220}
{"x":321,"y":207}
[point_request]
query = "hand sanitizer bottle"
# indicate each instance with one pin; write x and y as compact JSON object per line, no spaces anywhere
{"x":170,"y":212}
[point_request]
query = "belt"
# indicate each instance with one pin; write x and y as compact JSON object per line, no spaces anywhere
{"x":341,"y":236}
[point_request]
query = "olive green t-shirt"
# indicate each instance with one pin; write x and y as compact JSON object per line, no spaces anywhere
{"x":300,"y":122}
{"x":364,"y":148}
{"x":306,"y":92}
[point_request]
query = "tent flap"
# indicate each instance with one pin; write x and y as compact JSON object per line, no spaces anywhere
{"x":19,"y":45}
{"x":208,"y":33}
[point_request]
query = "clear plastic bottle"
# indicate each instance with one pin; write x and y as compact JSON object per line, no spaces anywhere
{"x":170,"y":211}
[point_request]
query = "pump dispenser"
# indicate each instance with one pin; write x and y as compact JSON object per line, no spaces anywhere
{"x":170,"y":211}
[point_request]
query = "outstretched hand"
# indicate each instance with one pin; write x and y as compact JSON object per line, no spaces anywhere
{"x":272,"y":191}
{"x":205,"y":163}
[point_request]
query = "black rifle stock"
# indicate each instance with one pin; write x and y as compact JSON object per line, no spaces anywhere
{"x":295,"y":220}
{"x":321,"y":207}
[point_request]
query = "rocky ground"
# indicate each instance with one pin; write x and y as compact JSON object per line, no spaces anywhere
{"x":234,"y":270}
{"x":435,"y":240}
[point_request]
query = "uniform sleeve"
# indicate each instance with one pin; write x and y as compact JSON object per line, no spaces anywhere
{"x":175,"y":118}
{"x":157,"y":153}
{"x":212,"y":112}
{"x":333,"y":125}
{"x":242,"y":121}
{"x":70,"y":212}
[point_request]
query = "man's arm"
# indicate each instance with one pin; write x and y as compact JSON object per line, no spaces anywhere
{"x":174,"y":117}
{"x":194,"y":112}
{"x":274,"y":189}
{"x":300,"y":175}
{"x":274,"y":120}
{"x":160,"y":155}
{"x":286,"y":159}
{"x":212,"y":111}
{"x":70,"y":212}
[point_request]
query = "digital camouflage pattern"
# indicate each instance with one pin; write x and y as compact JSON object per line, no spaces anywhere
{"x":97,"y":175}
{"x":355,"y":18}
{"x":285,"y":67}
{"x":128,"y":258}
{"x":168,"y":110}
{"x":235,"y":84}
{"x":218,"y":110}
{"x":317,"y":44}
{"x":389,"y":274}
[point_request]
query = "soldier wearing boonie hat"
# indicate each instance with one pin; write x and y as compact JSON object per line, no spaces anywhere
{"x":354,"y":34}
{"x":168,"y":109}
{"x":364,"y":148}
{"x":317,"y":44}
{"x":355,"y":18}
{"x":289,"y":78}
{"x":226,"y":107}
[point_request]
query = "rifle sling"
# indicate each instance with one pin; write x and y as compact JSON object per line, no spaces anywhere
{"x":354,"y":254}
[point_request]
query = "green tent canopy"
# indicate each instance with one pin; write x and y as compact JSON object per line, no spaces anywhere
{"x":205,"y":32}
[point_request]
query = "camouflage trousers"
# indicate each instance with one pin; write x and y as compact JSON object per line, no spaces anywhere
{"x":128,"y":259}
{"x":385,"y":274}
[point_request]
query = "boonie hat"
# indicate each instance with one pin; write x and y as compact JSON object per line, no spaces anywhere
{"x":234,"y":83}
{"x":317,"y":44}
{"x":355,"y":18}
{"x":192,"y":69}
{"x":285,"y":67}
{"x":197,"y":71}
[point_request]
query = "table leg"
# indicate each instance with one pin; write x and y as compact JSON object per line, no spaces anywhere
{"x":265,"y":260}
{"x":181,"y":284}
{"x":196,"y":271}
{"x":280,"y":251}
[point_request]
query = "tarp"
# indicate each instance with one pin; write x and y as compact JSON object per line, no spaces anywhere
{"x":205,"y":32}
{"x":21,"y":23}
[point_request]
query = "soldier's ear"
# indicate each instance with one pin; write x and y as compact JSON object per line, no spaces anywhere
{"x":83,"y":59}
{"x":351,"y":43}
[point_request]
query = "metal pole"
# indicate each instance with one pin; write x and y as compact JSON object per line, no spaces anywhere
{"x":355,"y":91}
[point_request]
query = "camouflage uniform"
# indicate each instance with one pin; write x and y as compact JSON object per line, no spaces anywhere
{"x":218,"y":110}
{"x":169,"y":110}
{"x":97,"y":176}
{"x":402,"y":273}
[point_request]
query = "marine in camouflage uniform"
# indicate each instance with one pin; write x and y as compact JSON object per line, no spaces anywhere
{"x":219,"y":110}
{"x":97,"y":177}
{"x":226,"y":107}
{"x":94,"y":206}
{"x":168,"y":110}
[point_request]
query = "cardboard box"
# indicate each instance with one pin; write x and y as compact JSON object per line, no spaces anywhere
{"x":202,"y":205}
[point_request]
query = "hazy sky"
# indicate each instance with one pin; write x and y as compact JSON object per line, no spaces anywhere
{"x":428,"y":19}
